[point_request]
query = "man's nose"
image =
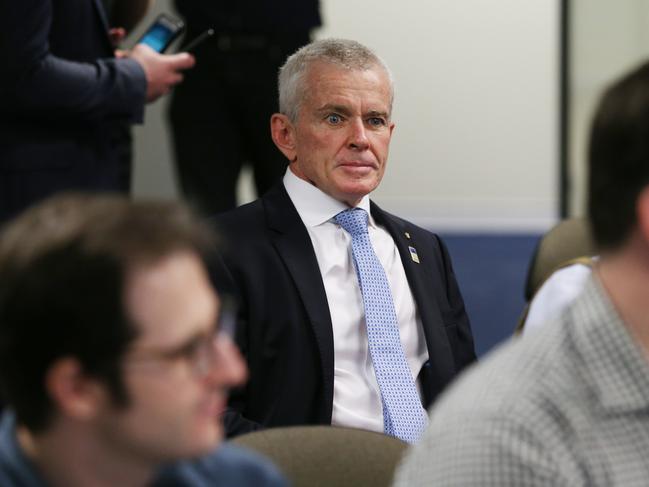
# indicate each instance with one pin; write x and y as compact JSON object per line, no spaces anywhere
{"x":358,"y":136}
{"x":229,"y":369}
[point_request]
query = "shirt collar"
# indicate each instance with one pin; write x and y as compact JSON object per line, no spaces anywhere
{"x":313,"y":205}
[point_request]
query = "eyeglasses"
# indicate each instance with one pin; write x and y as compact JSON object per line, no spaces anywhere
{"x":201,"y":352}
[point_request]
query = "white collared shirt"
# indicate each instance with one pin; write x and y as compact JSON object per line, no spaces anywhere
{"x":357,"y":398}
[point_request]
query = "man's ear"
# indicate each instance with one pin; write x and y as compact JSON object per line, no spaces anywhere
{"x":283,"y":133}
{"x":74,"y":393}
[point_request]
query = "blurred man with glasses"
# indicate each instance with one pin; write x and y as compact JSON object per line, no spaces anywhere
{"x":112,"y":359}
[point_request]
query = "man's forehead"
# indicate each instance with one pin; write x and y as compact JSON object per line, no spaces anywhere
{"x":330,"y":84}
{"x":316,"y":70}
{"x":170,"y":299}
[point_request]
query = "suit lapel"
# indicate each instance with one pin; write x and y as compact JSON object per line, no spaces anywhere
{"x":293,"y":244}
{"x":424,"y":279}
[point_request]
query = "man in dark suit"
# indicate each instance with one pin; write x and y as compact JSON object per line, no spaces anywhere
{"x":66,"y":102}
{"x":334,"y":319}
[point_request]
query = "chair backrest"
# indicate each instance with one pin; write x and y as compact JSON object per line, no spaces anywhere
{"x":567,"y":240}
{"x":318,"y":456}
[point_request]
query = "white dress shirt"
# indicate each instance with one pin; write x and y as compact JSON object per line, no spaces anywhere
{"x":357,"y":398}
{"x":554,"y":296}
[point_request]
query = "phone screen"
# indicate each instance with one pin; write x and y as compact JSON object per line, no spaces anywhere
{"x":161,"y":33}
{"x":157,"y":37}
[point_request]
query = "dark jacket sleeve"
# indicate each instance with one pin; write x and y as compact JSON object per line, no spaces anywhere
{"x":37,"y":84}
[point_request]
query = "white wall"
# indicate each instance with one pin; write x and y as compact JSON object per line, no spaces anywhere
{"x":608,"y":39}
{"x":153,"y":174}
{"x":476,"y":110}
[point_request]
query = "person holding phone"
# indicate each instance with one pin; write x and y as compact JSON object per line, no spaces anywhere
{"x":66,"y":100}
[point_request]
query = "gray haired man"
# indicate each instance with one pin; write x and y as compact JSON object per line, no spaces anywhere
{"x":350,"y":316}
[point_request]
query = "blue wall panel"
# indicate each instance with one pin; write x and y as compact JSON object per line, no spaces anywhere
{"x":491,"y":270}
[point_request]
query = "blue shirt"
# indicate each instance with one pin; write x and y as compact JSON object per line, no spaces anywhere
{"x":227,"y":466}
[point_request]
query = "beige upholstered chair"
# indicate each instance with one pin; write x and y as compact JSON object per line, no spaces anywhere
{"x":318,"y":456}
{"x":569,"y":241}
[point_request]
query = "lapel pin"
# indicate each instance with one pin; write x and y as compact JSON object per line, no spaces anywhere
{"x":413,"y":254}
{"x":407,"y":235}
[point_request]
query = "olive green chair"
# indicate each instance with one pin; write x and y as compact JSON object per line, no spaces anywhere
{"x":567,"y":240}
{"x":319,"y":456}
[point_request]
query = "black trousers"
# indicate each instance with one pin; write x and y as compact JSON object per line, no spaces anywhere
{"x":220,"y":117}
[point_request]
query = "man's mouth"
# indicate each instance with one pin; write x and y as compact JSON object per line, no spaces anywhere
{"x":358,"y":164}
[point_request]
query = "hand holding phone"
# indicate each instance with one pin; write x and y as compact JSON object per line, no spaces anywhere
{"x":162,"y":71}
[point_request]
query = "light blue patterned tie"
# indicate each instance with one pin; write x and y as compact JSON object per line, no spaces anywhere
{"x":403,"y":414}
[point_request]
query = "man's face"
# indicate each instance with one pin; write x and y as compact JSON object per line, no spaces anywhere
{"x":340,"y":140}
{"x":174,"y":405}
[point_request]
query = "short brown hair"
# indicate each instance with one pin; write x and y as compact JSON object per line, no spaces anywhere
{"x":618,"y":158}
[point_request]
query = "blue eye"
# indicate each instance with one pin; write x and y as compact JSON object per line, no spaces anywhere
{"x":376,"y":121}
{"x":334,"y":119}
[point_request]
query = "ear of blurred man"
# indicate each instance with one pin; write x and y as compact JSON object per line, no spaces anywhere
{"x":75,"y":395}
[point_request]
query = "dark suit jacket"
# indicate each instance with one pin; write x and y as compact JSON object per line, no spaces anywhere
{"x":285,"y":330}
{"x":64,"y":101}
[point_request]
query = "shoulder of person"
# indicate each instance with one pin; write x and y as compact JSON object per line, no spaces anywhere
{"x":15,"y":469}
{"x":380,"y":215}
{"x":503,"y":422}
{"x":516,"y":377}
{"x":234,"y":216}
{"x":228,"y":465}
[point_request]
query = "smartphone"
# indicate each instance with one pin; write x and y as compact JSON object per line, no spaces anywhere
{"x":163,"y":31}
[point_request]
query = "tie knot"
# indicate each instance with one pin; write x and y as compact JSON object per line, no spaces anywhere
{"x":353,"y":220}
